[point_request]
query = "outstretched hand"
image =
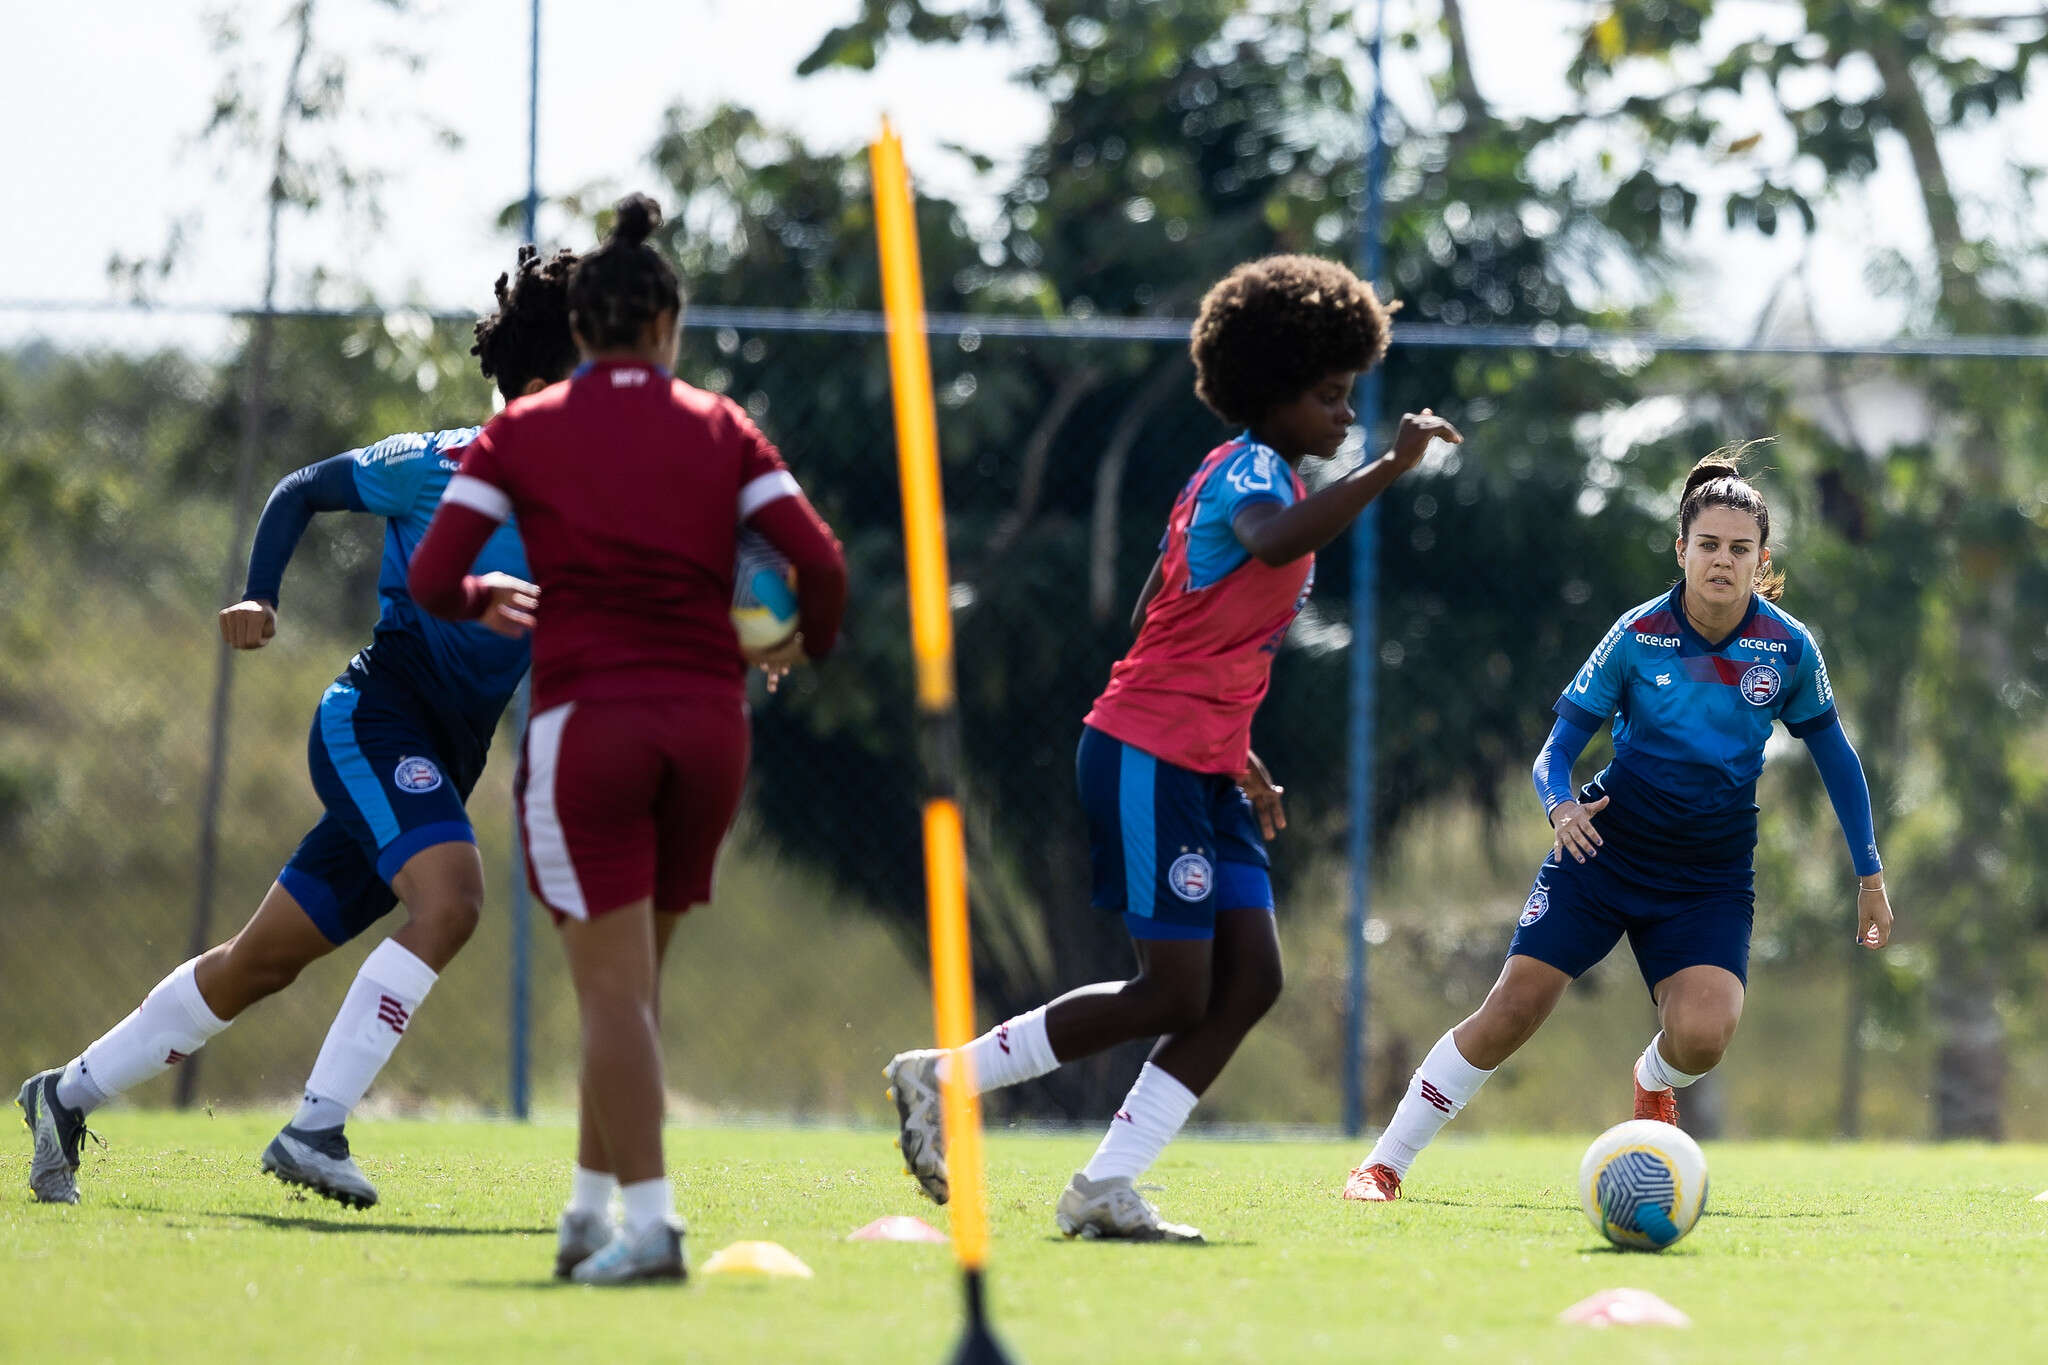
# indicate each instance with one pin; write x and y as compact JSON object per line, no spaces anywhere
{"x":1573,"y":824}
{"x":1418,"y":429}
{"x":511,"y":609}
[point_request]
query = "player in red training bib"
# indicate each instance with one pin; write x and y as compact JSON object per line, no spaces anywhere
{"x":1175,"y":799}
{"x":630,"y":488}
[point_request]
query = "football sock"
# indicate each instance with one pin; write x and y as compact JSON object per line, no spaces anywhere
{"x":1153,"y":1112}
{"x":170,"y":1025}
{"x":1654,"y":1073}
{"x":373,"y":1018}
{"x":591,"y":1191}
{"x":646,"y":1202}
{"x":1008,"y":1054}
{"x":1440,"y":1087}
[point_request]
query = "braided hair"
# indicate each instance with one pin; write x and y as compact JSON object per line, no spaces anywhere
{"x":528,"y":338}
{"x":624,"y":285}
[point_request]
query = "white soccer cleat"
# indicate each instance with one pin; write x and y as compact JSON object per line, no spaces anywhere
{"x":578,"y":1237}
{"x":921,"y":1131}
{"x":59,"y":1133}
{"x":656,"y":1253}
{"x":319,"y":1160}
{"x":1114,"y":1209}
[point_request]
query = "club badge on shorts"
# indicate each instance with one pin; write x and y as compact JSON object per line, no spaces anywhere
{"x":1760,"y":684}
{"x":1534,"y":907}
{"x":1191,"y":877}
{"x":416,"y":775}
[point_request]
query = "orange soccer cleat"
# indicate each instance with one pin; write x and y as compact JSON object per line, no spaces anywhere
{"x":1661,"y":1105}
{"x":1375,"y":1184}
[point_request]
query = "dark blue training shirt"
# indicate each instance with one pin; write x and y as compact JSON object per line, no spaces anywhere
{"x":461,"y":670}
{"x":1690,"y":723}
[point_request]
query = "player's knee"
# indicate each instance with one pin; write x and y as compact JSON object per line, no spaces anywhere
{"x":1254,"y":990}
{"x":1700,"y":1043}
{"x":1513,"y":1014}
{"x":1169,"y":1006}
{"x":451,"y":917}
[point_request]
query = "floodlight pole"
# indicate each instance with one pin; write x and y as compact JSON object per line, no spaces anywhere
{"x":521,"y":1051}
{"x":1365,"y":575}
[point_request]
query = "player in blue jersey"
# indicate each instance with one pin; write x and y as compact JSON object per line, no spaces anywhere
{"x":396,"y":745}
{"x":1660,"y":845}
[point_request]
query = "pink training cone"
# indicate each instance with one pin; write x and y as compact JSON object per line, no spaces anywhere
{"x":897,"y":1227}
{"x":1624,"y":1308}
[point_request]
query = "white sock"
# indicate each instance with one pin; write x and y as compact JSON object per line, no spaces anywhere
{"x":591,"y":1191}
{"x":646,"y":1202}
{"x":1654,"y":1073}
{"x":1153,"y":1112}
{"x":170,"y":1025}
{"x":1008,"y":1054}
{"x":1440,"y":1087}
{"x":373,"y":1018}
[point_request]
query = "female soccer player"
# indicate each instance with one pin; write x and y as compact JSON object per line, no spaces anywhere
{"x":396,"y":745}
{"x":1691,"y":681}
{"x":630,"y":487}
{"x":1175,"y":800}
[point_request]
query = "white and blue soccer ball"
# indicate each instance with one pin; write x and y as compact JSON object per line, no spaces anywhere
{"x":1643,"y":1184}
{"x":763,"y":594}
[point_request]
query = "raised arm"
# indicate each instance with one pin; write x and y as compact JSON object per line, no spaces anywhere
{"x":329,"y":486}
{"x":1280,"y":534}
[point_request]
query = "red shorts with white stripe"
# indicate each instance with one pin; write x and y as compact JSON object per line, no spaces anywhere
{"x":621,"y":800}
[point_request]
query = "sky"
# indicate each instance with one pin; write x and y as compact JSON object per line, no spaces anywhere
{"x":118,"y":90}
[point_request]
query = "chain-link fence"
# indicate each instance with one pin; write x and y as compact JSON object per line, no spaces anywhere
{"x":1909,"y":497}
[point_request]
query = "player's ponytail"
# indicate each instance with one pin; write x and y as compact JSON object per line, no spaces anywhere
{"x":1717,"y":481}
{"x":625,"y":284}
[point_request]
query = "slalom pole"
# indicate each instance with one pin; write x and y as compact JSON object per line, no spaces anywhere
{"x":931,"y":637}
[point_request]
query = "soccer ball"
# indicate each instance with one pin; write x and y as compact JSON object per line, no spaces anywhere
{"x":763,"y":594}
{"x":1643,"y":1184}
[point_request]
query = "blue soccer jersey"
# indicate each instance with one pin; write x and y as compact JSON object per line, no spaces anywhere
{"x":1690,"y":721}
{"x":457,"y":668}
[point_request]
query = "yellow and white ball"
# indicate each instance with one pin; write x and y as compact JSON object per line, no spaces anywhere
{"x":1643,"y":1184}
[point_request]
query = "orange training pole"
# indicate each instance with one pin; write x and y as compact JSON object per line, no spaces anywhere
{"x":931,"y":635}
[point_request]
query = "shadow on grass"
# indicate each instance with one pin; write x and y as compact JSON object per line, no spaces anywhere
{"x":285,"y":1223}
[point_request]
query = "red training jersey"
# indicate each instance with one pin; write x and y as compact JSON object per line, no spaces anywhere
{"x":629,"y":488}
{"x":1187,"y":689}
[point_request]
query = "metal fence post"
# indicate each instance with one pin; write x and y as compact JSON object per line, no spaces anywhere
{"x":1365,"y":547}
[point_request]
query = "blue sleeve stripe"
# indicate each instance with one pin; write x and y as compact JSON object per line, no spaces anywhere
{"x":1569,"y":710}
{"x":1136,"y":771}
{"x":1803,"y":729}
{"x":338,"y":736}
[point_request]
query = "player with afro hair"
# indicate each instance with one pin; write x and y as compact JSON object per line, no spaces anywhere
{"x":1178,"y":806}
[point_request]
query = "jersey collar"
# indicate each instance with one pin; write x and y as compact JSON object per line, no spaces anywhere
{"x":589,"y":365}
{"x":1676,"y":601}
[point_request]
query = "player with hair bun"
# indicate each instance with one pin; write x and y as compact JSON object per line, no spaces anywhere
{"x":1176,"y":802}
{"x":397,"y":743}
{"x":1692,"y":681}
{"x":631,"y":488}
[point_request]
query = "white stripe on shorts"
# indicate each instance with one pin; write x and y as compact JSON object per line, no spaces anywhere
{"x":760,"y":492}
{"x":467,"y":490}
{"x":546,"y":844}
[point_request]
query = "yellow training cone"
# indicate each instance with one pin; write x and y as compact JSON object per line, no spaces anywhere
{"x":769,"y":1259}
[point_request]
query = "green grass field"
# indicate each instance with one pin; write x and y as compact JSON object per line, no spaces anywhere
{"x":183,"y":1252}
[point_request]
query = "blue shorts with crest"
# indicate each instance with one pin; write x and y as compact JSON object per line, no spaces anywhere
{"x":393,"y":783}
{"x":1675,"y":915}
{"x":1167,"y":847}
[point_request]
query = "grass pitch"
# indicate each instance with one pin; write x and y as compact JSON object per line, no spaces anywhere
{"x":183,"y":1252}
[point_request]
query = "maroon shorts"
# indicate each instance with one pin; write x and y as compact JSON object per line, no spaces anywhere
{"x":627,"y":799}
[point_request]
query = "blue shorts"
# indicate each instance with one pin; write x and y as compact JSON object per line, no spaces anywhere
{"x":1166,"y":846}
{"x":1675,"y":916}
{"x":393,"y":784}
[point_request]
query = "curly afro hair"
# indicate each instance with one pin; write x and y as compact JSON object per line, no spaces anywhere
{"x":528,"y":338}
{"x":1272,"y":328}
